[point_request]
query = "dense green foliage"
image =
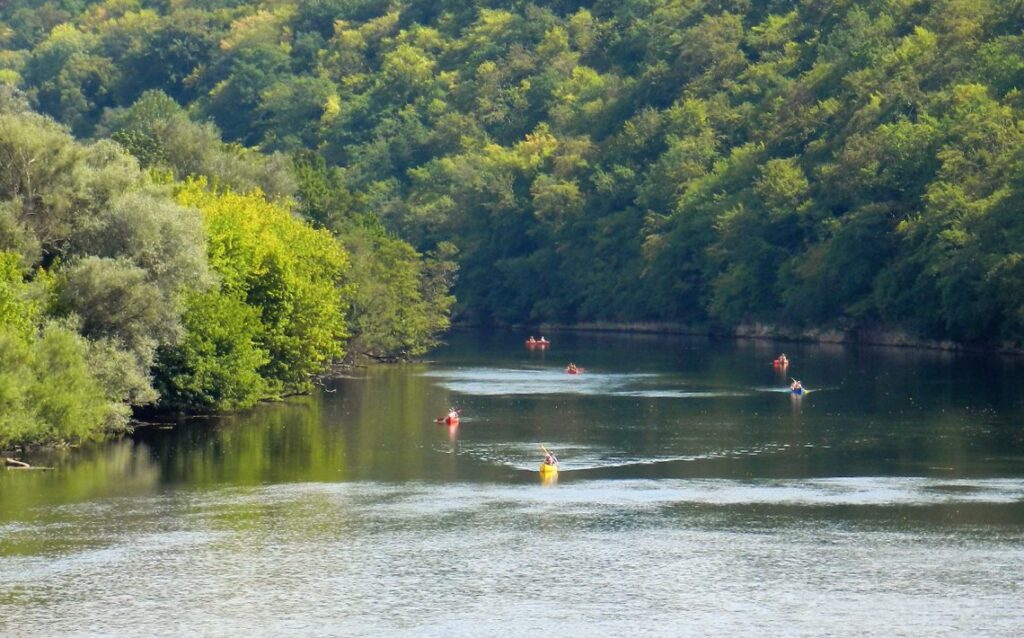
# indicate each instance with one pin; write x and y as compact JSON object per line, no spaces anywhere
{"x":799,"y":162}
{"x":283,"y":282}
{"x":48,"y":393}
{"x":402,"y":300}
{"x":47,"y":390}
{"x":822,"y":163}
{"x":121,"y":287}
{"x":91,"y":280}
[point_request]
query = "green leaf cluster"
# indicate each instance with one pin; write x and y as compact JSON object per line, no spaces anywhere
{"x":278,"y":314}
{"x":401,"y":299}
{"x":49,"y":391}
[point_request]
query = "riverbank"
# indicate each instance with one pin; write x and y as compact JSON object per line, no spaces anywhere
{"x":854,"y":336}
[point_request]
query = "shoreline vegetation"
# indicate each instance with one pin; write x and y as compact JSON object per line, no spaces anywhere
{"x":124,"y":287}
{"x":855,"y":336}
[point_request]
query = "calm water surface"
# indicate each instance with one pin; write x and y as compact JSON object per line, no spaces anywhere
{"x":696,"y":497}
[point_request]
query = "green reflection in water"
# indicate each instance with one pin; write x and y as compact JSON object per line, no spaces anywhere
{"x":115,"y":468}
{"x":648,"y":407}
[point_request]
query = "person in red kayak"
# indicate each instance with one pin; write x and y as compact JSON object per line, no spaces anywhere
{"x":572,"y":369}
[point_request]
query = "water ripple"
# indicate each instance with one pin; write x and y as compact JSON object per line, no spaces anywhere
{"x":469,"y":559}
{"x":547,"y":381}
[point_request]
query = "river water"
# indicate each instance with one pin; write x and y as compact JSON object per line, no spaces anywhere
{"x":696,"y":497}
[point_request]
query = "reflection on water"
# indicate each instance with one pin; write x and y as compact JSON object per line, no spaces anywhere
{"x":696,"y":496}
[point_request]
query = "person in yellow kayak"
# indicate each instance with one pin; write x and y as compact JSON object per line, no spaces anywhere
{"x":549,"y":459}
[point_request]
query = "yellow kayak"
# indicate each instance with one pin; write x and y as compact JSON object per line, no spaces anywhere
{"x":548,"y":469}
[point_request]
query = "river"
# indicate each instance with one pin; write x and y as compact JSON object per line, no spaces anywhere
{"x":696,"y":497}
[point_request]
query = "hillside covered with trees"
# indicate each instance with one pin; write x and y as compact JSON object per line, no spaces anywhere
{"x":806,"y":163}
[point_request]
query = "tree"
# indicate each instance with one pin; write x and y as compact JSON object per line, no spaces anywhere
{"x":71,"y":82}
{"x":47,"y":391}
{"x":113,"y":299}
{"x":400,"y":301}
{"x":160,"y":134}
{"x":216,"y":365}
{"x":291,"y":274}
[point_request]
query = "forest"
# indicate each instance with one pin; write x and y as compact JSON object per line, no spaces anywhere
{"x":204,"y":202}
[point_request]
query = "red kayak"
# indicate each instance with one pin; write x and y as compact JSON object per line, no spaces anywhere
{"x":574,"y":370}
{"x":537,"y":344}
{"x":451,"y":419}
